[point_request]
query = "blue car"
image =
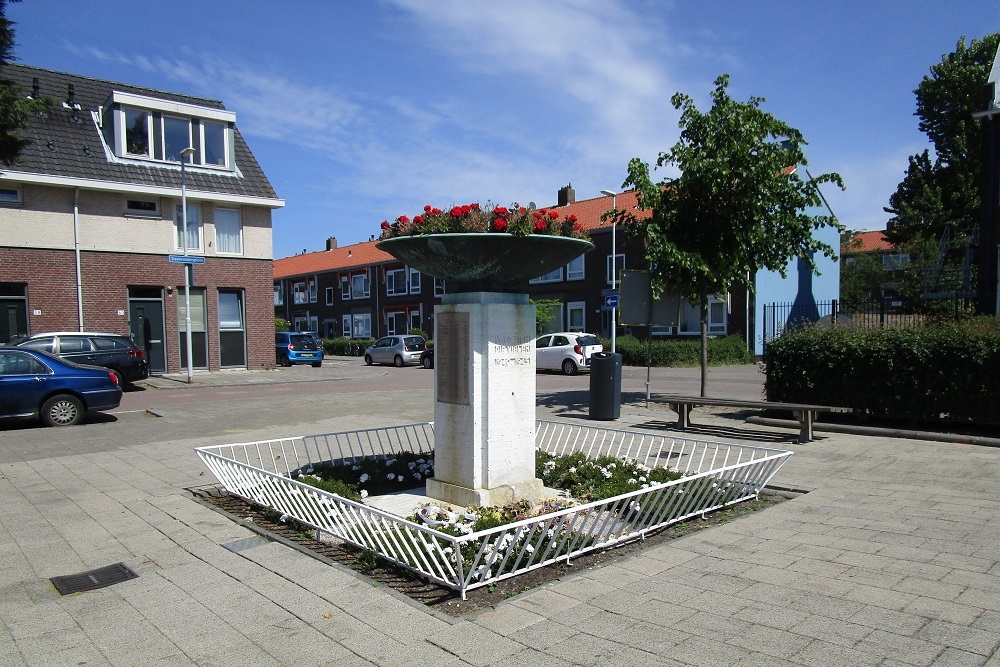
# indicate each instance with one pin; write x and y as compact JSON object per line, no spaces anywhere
{"x":295,"y":347}
{"x":38,"y":384}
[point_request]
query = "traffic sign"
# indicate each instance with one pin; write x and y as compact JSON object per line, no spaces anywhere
{"x":610,"y":300}
{"x":186,"y":259}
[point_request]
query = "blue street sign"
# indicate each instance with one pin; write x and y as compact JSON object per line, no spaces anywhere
{"x":610,"y":300}
{"x":186,"y":259}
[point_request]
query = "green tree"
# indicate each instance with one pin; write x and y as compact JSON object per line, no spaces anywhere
{"x":941,"y":189}
{"x":544,"y":313}
{"x":738,"y":205}
{"x":15,"y":106}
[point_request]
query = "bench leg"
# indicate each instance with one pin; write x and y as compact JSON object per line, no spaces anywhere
{"x":805,"y":418}
{"x":683,"y":411}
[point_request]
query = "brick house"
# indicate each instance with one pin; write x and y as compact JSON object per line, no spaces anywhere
{"x":91,"y":215}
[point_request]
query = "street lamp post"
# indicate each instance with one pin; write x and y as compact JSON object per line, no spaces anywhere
{"x":184,"y":155}
{"x":614,"y":265}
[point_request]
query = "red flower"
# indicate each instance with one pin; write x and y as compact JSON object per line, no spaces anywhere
{"x":456,"y":212}
{"x":435,"y":211}
{"x":571,"y":217}
{"x":578,"y":226}
{"x":500,"y":224}
{"x":539,"y":214}
{"x":402,"y":220}
{"x":466,"y":208}
{"x":540,"y":225}
{"x":501,"y":211}
{"x":553,"y":214}
{"x":418,"y":219}
{"x":427,"y":208}
{"x":385,"y":224}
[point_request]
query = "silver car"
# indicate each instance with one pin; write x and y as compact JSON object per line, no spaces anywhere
{"x":398,"y":350}
{"x":568,"y":351}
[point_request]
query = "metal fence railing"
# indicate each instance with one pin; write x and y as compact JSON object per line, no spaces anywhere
{"x":870,"y":314}
{"x":716,"y":475}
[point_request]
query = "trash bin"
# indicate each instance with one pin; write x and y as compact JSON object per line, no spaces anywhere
{"x":605,"y":385}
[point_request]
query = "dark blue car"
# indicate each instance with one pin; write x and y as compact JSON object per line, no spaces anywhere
{"x":60,"y":393}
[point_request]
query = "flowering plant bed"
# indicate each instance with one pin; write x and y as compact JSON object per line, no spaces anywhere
{"x":711,"y":476}
{"x":516,"y":220}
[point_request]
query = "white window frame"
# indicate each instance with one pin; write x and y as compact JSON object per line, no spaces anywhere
{"x":10,"y":194}
{"x":345,"y":326}
{"x":393,"y":278}
{"x":300,"y":295}
{"x":580,"y":306}
{"x":415,"y":319}
{"x":279,"y":294}
{"x":362,"y":322}
{"x":134,"y":212}
{"x":365,"y":292}
{"x":313,"y":296}
{"x":193,"y":226}
{"x":156,"y":112}
{"x":226,"y":234}
{"x":149,"y":132}
{"x":439,"y":286}
{"x":550,"y":277}
{"x":414,"y":281}
{"x":618,"y":260}
{"x":329,"y":296}
{"x":391,"y":318}
{"x":575,"y":269}
{"x":345,"y":288}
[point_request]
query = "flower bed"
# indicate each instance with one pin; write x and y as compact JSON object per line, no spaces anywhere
{"x":713,"y":475}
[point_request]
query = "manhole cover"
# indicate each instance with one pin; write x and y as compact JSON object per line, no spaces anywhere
{"x":92,"y":579}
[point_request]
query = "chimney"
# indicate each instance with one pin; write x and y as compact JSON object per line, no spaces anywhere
{"x":331,"y":243}
{"x":35,"y":89}
{"x":566,"y":195}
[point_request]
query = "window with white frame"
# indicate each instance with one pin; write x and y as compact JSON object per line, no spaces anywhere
{"x":345,"y":288}
{"x":895,"y":262}
{"x":228,"y":231}
{"x":329,"y":297}
{"x":614,"y":267}
{"x":299,"y":293}
{"x":574,"y":270}
{"x":10,"y":194}
{"x":396,"y":322}
{"x":415,"y":319}
{"x":438,"y":287}
{"x":414,"y":281}
{"x":395,"y":282}
{"x":576,"y":316}
{"x":360,"y":286}
{"x":345,"y":326}
{"x":690,"y":318}
{"x":142,"y":208}
{"x":362,"y":325}
{"x":279,"y":295}
{"x":329,"y":328}
{"x":150,"y":128}
{"x":312,"y":292}
{"x":550,"y":277}
{"x":193,"y":227}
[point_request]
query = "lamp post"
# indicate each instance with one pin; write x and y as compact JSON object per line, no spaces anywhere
{"x":614,"y":265}
{"x":184,"y":155}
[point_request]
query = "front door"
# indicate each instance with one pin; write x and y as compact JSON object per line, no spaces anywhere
{"x":146,"y":324}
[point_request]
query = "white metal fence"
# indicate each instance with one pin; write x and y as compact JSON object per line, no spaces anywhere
{"x":715,"y":475}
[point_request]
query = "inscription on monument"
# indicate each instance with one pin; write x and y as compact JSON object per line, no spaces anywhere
{"x":512,"y":351}
{"x":452,"y":358}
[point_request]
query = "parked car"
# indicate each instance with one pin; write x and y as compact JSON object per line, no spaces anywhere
{"x":567,"y":351}
{"x":427,"y":358}
{"x":113,"y":351}
{"x":294,"y":347}
{"x":38,"y":384}
{"x":398,"y":350}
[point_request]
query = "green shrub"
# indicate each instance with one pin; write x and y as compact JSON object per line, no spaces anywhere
{"x":418,"y":332}
{"x":281,"y":324}
{"x":946,"y":371}
{"x":724,"y":351}
{"x":346,"y":347}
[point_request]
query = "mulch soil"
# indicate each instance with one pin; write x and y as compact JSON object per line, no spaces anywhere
{"x":382,"y":573}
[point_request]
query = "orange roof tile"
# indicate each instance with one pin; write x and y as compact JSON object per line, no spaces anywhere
{"x":874,"y":241}
{"x":589,"y":211}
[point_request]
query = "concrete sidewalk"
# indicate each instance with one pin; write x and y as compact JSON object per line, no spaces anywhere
{"x":892,"y":558}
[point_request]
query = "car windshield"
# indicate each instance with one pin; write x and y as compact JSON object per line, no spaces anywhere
{"x":587,"y":340}
{"x":302,"y":340}
{"x":414,"y":342}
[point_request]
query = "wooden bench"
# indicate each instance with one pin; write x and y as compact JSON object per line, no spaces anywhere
{"x":806,"y":414}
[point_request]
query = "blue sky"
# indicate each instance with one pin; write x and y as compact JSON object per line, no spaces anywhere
{"x":362,"y":111}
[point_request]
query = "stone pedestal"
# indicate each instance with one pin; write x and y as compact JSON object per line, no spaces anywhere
{"x":484,"y":400}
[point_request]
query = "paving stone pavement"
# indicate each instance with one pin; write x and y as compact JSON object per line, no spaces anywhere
{"x":891,"y":558}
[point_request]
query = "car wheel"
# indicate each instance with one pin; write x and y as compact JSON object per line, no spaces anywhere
{"x":284,"y":361}
{"x":427,"y":363}
{"x":568,"y":367}
{"x":317,"y":364}
{"x":62,"y":410}
{"x":368,"y":359}
{"x":398,"y":361}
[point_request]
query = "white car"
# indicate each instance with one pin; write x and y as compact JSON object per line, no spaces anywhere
{"x":568,"y":351}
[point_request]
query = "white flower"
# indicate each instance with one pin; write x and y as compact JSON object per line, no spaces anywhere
{"x":634,"y":506}
{"x":416,"y":476}
{"x":633,"y":480}
{"x":391,"y":476}
{"x":355,"y":467}
{"x":680,"y":491}
{"x":284,"y":517}
{"x":642,"y":478}
{"x":309,"y":470}
{"x":572,"y":470}
{"x":363,"y":478}
{"x":411,"y":465}
{"x":389,"y":462}
{"x":364,"y":494}
{"x":529,"y":548}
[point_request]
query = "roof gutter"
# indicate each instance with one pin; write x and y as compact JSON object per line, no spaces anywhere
{"x":109,"y":186}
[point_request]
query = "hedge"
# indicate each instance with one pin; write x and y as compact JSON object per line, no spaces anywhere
{"x":724,"y":351}
{"x":346,"y":347}
{"x":947,"y":371}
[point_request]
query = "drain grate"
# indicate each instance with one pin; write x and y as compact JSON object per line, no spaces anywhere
{"x":92,"y":579}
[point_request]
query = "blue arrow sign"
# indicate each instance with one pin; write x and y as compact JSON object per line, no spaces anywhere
{"x":610,"y":300}
{"x":186,"y":259}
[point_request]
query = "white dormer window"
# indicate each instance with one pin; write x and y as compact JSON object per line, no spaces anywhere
{"x":148,"y":128}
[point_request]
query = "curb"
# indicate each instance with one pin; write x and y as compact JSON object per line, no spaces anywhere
{"x":954,"y":438}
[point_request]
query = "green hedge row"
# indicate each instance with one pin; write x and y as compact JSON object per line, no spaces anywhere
{"x":346,"y":347}
{"x":947,"y":371}
{"x":724,"y":351}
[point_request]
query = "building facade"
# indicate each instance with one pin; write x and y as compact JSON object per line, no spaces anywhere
{"x":92,"y":232}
